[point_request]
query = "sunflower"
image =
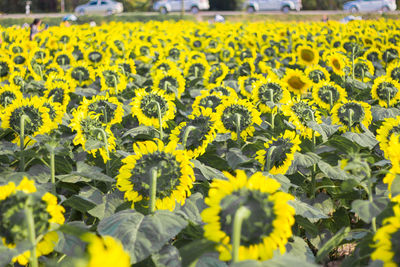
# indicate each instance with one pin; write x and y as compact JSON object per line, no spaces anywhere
{"x":198,"y":68}
{"x":8,"y":93}
{"x":164,"y":66}
{"x":17,"y":78}
{"x":300,"y":113}
{"x":296,"y":81}
{"x":389,"y":127}
{"x":108,"y":108}
{"x":176,"y":53}
{"x":222,"y":90}
{"x":307,"y":56}
{"x":207,"y":100}
{"x":56,"y":111}
{"x":39,"y":56}
{"x":226,"y":54}
{"x":363,"y":69}
{"x":337,"y":62}
{"x":145,"y":107}
{"x":47,"y":215}
{"x":126,"y":67}
{"x":111,"y":79}
{"x":351,"y":114}
{"x":386,"y":91}
{"x":269,"y":92}
{"x":144,"y":51}
{"x":268,"y":226}
{"x":57,"y":92}
{"x":217,"y":74}
{"x":246,"y":83}
{"x":89,"y":128}
{"x":317,"y":74}
{"x":373,"y":55}
{"x":172,"y":82}
{"x":20,"y":59}
{"x":387,"y":240}
{"x":390,"y":53}
{"x":81,"y":74}
{"x":64,"y":58}
{"x":6,"y":68}
{"x":327,"y":94}
{"x":393,"y":71}
{"x":200,"y":130}
{"x":237,"y":115}
{"x":105,"y":251}
{"x":95,"y":57}
{"x":246,"y":67}
{"x":38,"y":123}
{"x":278,"y":154}
{"x":175,"y":174}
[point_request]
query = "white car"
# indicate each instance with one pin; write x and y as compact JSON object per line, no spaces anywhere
{"x":370,"y":5}
{"x":165,"y":6}
{"x":262,"y":5}
{"x":99,"y":6}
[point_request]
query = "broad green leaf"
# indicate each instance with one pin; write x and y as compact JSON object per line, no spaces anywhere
{"x":300,"y":249}
{"x":192,"y":208}
{"x":309,"y":227}
{"x":333,"y":172}
{"x":140,"y":130}
{"x":92,"y":144}
{"x":367,"y":210}
{"x":209,"y":261}
{"x":70,"y":242}
{"x":323,"y":129}
{"x":80,"y":203}
{"x":380,"y":113}
{"x":342,"y":144}
{"x":366,"y":139}
{"x":194,"y":250}
{"x":142,"y":235}
{"x":307,"y":211}
{"x":235,"y":157}
{"x":168,"y":256}
{"x":395,"y":187}
{"x":332,"y":243}
{"x":208,"y":172}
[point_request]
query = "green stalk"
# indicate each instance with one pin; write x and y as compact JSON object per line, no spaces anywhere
{"x":352,"y":61}
{"x":22,"y":140}
{"x":159,"y":118}
{"x":105,"y":115}
{"x":186,"y":134}
{"x":362,"y":74}
{"x":31,"y":231}
{"x":388,"y":99}
{"x":104,"y":136}
{"x":53,"y":170}
{"x":269,"y":155}
{"x":351,"y":113}
{"x":115,"y":84}
{"x":273,"y":120}
{"x":153,"y":190}
{"x":241,"y":214}
{"x":314,"y":170}
{"x":238,"y":118}
{"x":371,"y":200}
{"x":330,"y":99}
{"x":271,"y":95}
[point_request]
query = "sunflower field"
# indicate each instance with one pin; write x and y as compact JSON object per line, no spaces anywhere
{"x":197,"y":144}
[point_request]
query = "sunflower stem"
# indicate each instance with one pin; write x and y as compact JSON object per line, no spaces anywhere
{"x":271,"y":95}
{"x":241,"y":214}
{"x":352,"y":61}
{"x":186,"y":134}
{"x":269,"y":155}
{"x":388,"y":99}
{"x":362,"y":74}
{"x":273,"y":114}
{"x":314,"y":169}
{"x":31,"y":231}
{"x":104,"y":137}
{"x":105,"y":115}
{"x":159,"y":118}
{"x":22,"y":140}
{"x":351,"y":113}
{"x":153,"y":189}
{"x":53,"y":170}
{"x":115,"y":84}
{"x":238,"y":118}
{"x":330,"y":99}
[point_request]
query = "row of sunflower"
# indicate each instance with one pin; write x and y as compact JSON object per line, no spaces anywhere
{"x":238,"y":141}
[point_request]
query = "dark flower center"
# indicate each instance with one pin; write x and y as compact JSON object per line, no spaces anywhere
{"x":30,"y":127}
{"x":229,"y":117}
{"x":149,"y":107}
{"x":210,"y":101}
{"x":105,"y":108}
{"x":202,"y":126}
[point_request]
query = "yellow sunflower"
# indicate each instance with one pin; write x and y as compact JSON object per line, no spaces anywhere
{"x":386,"y":91}
{"x":81,"y":74}
{"x":198,"y":68}
{"x":172,"y":82}
{"x":296,"y":81}
{"x":268,"y":226}
{"x":327,"y":94}
{"x":106,"y":251}
{"x":389,"y":126}
{"x":174,"y":172}
{"x":222,"y":90}
{"x":351,"y":114}
{"x":393,"y":71}
{"x":317,"y":74}
{"x":307,"y":56}
{"x":217,"y":74}
{"x":8,"y":93}
{"x":246,"y":83}
{"x":337,"y":62}
{"x":57,"y":92}
{"x":207,"y":100}
{"x":111,"y":79}
{"x":269,"y":92}
{"x":6,"y":68}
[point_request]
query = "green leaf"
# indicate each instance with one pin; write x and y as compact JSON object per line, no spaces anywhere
{"x":79,"y":203}
{"x":332,"y":243}
{"x":142,"y":235}
{"x":140,"y":130}
{"x":194,"y":250}
{"x":300,"y":160}
{"x":92,"y":144}
{"x":395,"y":187}
{"x":342,"y":144}
{"x":235,"y":158}
{"x":192,"y":209}
{"x":168,"y":256}
{"x":323,"y":129}
{"x":307,"y":211}
{"x":332,"y":172}
{"x":309,"y":227}
{"x":367,"y":210}
{"x":85,"y":173}
{"x":380,"y":113}
{"x":299,"y":249}
{"x":366,"y":139}
{"x":70,"y":242}
{"x":208,"y":172}
{"x":209,"y":261}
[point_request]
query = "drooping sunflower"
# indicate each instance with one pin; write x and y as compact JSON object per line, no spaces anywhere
{"x":237,"y":114}
{"x":163,"y":65}
{"x":307,"y":56}
{"x":337,"y":62}
{"x":17,"y":78}
{"x":390,"y":53}
{"x":392,"y":152}
{"x":111,"y":79}
{"x":296,"y":81}
{"x":222,"y":90}
{"x":317,"y":74}
{"x":6,"y":68}
{"x":246,"y":67}
{"x":300,"y":113}
{"x":38,"y":123}
{"x":8,"y":93}
{"x":174,"y":170}
{"x":126,"y":66}
{"x":172,"y":82}
{"x":57,"y":92}
{"x":106,"y":251}
{"x":89,"y":127}
{"x":387,"y":240}
{"x":81,"y":74}
{"x":198,"y":68}
{"x":108,"y":108}
{"x":393,"y":71}
{"x":95,"y":56}
{"x":197,"y":132}
{"x":351,"y":114}
{"x":207,"y":100}
{"x":217,"y":74}
{"x":327,"y":94}
{"x":64,"y":58}
{"x":144,"y":51}
{"x":386,"y":91}
{"x":363,"y":69}
{"x":145,"y":107}
{"x":389,"y":127}
{"x":269,"y":92}
{"x":373,"y":55}
{"x":47,"y":215}
{"x":278,"y":154}
{"x":268,"y":226}
{"x":246,"y":83}
{"x":56,"y":112}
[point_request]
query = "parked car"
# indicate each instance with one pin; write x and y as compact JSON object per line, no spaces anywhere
{"x":165,"y":6}
{"x":100,"y":6}
{"x":261,"y":5}
{"x":370,"y":5}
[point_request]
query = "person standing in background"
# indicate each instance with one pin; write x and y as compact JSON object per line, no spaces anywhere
{"x":35,"y":28}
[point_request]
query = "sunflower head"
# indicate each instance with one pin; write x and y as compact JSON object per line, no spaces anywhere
{"x":389,"y":127}
{"x":390,"y":53}
{"x":269,"y":92}
{"x":296,"y":81}
{"x":363,"y":69}
{"x":6,"y":68}
{"x":174,"y":173}
{"x":207,"y":100}
{"x":81,"y":74}
{"x":317,"y":74}
{"x":327,"y":94}
{"x":386,"y":91}
{"x":8,"y":93}
{"x":198,"y":68}
{"x":172,"y":82}
{"x":108,"y":108}
{"x":351,"y":115}
{"x":266,"y":229}
{"x":337,"y":62}
{"x":394,"y":71}
{"x":307,"y":56}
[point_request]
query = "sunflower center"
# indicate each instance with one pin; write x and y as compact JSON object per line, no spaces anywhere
{"x":95,"y":56}
{"x":373,"y":56}
{"x":34,"y":116}
{"x":17,"y":49}
{"x":144,"y":51}
{"x":4,"y":69}
{"x":386,"y":90}
{"x":80,"y":74}
{"x":336,"y":64}
{"x":357,"y":116}
{"x":105,"y":108}
{"x":169,"y":84}
{"x":307,"y":55}
{"x":395,"y":74}
{"x":57,"y":95}
{"x":63,"y":60}
{"x":229,"y":117}
{"x":64,"y":39}
{"x":197,"y":70}
{"x":328,"y":93}
{"x":19,"y":59}
{"x":270,"y":92}
{"x":7,"y":98}
{"x":12,"y":218}
{"x":197,"y":43}
{"x":244,"y":69}
{"x":221,"y":90}
{"x":202,"y":126}
{"x":174,"y":53}
{"x":316,"y":76}
{"x":269,"y":52}
{"x":168,"y":173}
{"x":149,"y":108}
{"x":210,"y":101}
{"x":394,"y":240}
{"x":282,"y":148}
{"x":296,"y":83}
{"x":258,"y":225}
